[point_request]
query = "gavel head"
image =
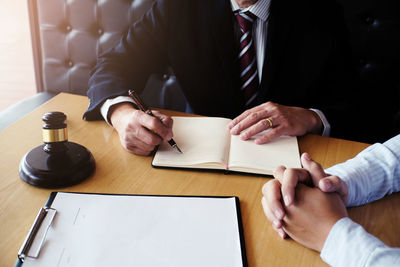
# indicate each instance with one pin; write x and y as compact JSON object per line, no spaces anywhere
{"x":55,"y":134}
{"x":57,"y":162}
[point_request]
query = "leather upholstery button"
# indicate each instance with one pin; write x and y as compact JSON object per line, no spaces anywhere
{"x":100,"y":31}
{"x":70,"y":64}
{"x":68,"y":28}
{"x":369,"y":20}
{"x":376,"y":23}
{"x":165,"y":77}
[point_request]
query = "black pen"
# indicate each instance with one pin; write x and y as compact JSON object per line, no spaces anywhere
{"x":147,"y":110}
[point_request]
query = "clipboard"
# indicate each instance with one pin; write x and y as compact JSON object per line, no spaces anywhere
{"x":206,"y":228}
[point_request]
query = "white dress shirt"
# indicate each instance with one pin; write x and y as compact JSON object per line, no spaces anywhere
{"x":371,"y":175}
{"x":261,"y":10}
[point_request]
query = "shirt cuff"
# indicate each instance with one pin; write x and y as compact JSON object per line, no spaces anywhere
{"x":351,"y":175}
{"x":105,"y":108}
{"x":327,"y":126}
{"x":348,"y":244}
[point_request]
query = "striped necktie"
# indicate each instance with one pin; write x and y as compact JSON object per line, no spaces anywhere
{"x":247,"y":57}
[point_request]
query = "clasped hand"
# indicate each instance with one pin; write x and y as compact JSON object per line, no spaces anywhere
{"x":304,"y":203}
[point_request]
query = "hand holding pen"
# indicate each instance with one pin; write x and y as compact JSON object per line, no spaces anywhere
{"x":142,"y":106}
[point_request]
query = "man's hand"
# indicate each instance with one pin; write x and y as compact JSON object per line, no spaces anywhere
{"x":139,"y":132}
{"x":281,"y":191}
{"x":312,"y":215}
{"x":285,"y":120}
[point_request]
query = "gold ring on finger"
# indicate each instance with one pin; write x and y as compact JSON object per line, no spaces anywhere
{"x":269,"y":121}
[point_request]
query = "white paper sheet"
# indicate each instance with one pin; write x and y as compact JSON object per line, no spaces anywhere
{"x":112,"y":230}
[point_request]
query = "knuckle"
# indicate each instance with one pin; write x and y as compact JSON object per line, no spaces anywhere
{"x":290,"y":175}
{"x":138,"y":131}
{"x":153,"y":140}
{"x":239,"y":127}
{"x":315,"y":165}
{"x":275,"y":183}
{"x":253,"y":116}
{"x":290,"y":172}
{"x":279,"y":169}
{"x":264,"y":123}
{"x":284,"y":117}
{"x":271,"y":105}
{"x":153,"y":123}
{"x":136,"y":115}
{"x":268,"y":187}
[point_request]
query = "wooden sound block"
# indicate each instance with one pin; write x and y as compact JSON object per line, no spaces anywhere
{"x":56,"y":163}
{"x":61,"y":169}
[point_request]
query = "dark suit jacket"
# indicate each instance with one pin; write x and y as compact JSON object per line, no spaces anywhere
{"x":306,"y":63}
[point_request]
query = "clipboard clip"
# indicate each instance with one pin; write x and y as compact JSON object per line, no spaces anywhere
{"x":37,"y":234}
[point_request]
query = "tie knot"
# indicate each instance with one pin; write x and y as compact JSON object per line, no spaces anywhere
{"x":245,"y":20}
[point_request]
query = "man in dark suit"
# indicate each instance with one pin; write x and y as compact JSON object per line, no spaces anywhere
{"x":289,"y":71}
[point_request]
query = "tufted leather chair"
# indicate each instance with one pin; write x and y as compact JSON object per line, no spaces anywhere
{"x":68,"y":36}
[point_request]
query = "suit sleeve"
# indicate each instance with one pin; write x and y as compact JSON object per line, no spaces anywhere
{"x":140,"y":52}
{"x":340,"y":90}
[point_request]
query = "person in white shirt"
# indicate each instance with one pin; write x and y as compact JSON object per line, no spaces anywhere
{"x":317,"y":218}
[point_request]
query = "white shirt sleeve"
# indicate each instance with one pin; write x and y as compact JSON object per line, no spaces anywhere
{"x":327,"y":126}
{"x":348,"y":244}
{"x":372,"y":174}
{"x":110,"y":102}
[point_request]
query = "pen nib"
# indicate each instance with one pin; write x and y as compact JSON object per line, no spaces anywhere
{"x":177,"y":148}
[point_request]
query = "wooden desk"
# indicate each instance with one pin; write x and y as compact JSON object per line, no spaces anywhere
{"x":118,"y":171}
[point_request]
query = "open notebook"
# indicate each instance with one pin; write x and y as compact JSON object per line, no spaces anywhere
{"x":207,"y":144}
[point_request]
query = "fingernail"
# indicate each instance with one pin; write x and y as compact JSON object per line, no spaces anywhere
{"x":307,"y":156}
{"x":281,"y":233}
{"x":234,"y":130}
{"x":243,"y":136}
{"x":278,"y":214}
{"x":287,"y":200}
{"x":276,"y":223}
{"x":328,"y":185}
